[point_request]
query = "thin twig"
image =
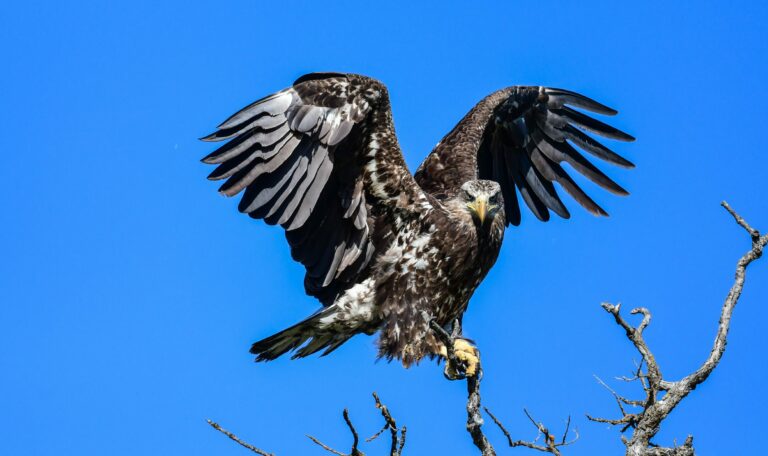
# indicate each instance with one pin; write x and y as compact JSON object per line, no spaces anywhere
{"x":551,"y":447}
{"x":391,"y":424}
{"x":740,"y":220}
{"x":355,"y":439}
{"x":236,"y":439}
{"x":377,"y":434}
{"x":325,"y":447}
{"x":619,"y":398}
{"x":567,"y":428}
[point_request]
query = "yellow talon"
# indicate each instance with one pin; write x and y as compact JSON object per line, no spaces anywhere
{"x":467,"y":354}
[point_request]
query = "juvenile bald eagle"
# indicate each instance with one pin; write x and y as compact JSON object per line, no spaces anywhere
{"x":386,"y":251}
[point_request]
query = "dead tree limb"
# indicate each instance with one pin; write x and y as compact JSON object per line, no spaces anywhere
{"x":645,"y":423}
{"x":551,"y":444}
{"x":396,"y":448}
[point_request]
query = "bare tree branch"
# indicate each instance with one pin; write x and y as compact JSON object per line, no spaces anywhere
{"x":758,"y":244}
{"x":647,"y":422}
{"x":325,"y":447}
{"x":475,"y":418}
{"x":551,"y":445}
{"x":397,"y":442}
{"x":355,"y":439}
{"x":236,"y":439}
{"x":396,"y":448}
{"x":402,"y":441}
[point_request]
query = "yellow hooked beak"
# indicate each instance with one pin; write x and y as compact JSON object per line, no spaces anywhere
{"x":481,"y":207}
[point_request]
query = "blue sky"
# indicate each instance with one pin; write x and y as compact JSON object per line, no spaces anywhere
{"x":131,"y":290}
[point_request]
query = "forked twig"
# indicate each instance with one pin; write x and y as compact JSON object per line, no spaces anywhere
{"x":551,"y":445}
{"x":355,"y":439}
{"x":397,"y":445}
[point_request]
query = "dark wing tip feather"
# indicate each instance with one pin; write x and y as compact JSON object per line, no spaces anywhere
{"x":318,"y":75}
{"x":594,"y":147}
{"x":576,"y":99}
{"x":585,"y":122}
{"x":623,"y":192}
{"x":213,"y":137}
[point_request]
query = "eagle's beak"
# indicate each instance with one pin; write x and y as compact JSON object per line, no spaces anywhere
{"x":480,"y":208}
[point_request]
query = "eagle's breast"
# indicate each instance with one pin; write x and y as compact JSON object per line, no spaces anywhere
{"x":430,"y":271}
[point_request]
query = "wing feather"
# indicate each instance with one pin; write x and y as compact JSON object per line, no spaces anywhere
{"x":559,"y":97}
{"x":593,"y":125}
{"x":272,"y":105}
{"x":312,"y":194}
{"x":294,"y":199}
{"x":594,"y":147}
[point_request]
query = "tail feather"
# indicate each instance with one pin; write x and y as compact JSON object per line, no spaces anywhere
{"x":306,"y":336}
{"x":336,"y":343}
{"x":317,"y":343}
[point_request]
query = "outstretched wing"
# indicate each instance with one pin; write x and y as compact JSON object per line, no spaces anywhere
{"x":519,"y":137}
{"x":307,"y":158}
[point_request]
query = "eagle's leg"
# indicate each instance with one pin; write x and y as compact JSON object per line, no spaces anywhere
{"x":466,"y":360}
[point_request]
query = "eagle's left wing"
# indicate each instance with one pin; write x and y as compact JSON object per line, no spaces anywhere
{"x":519,"y":137}
{"x":320,"y":159}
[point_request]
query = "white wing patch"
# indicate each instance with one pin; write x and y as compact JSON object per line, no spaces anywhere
{"x":354,"y":308}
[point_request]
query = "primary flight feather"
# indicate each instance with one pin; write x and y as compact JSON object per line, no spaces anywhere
{"x":386,"y":251}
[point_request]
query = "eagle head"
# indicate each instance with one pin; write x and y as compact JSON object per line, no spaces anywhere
{"x":483,"y":200}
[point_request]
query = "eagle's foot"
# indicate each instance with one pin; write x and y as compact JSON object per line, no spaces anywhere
{"x":467,"y":360}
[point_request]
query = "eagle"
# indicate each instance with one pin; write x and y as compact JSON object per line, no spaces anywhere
{"x":387,"y":251}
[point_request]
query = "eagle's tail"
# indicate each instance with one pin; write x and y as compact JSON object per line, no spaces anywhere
{"x":312,"y":333}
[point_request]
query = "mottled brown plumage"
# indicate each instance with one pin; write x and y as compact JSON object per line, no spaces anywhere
{"x":386,"y":251}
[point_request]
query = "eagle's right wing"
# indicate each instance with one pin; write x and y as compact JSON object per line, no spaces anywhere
{"x":319,"y":159}
{"x":519,"y":137}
